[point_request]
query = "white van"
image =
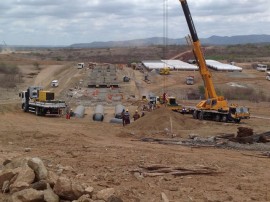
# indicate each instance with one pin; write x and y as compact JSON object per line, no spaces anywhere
{"x":268,"y":76}
{"x":80,"y":65}
{"x":261,"y":68}
{"x":54,"y":83}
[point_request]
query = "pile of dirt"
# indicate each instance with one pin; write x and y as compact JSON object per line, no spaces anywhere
{"x":163,"y":118}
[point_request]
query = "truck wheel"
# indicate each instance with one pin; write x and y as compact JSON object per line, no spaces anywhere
{"x":217,"y":117}
{"x":25,"y":107}
{"x":37,"y":111}
{"x":237,"y":120}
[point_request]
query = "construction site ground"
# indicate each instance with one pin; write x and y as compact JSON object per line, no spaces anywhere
{"x":106,"y":155}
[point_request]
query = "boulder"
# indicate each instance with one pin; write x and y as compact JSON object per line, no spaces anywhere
{"x":52,"y":178}
{"x":40,"y":185}
{"x":105,"y":194}
{"x":40,"y":170}
{"x":6,"y":175}
{"x":28,"y":195}
{"x":15,"y":163}
{"x":67,"y":190}
{"x":25,"y":176}
{"x":49,"y":195}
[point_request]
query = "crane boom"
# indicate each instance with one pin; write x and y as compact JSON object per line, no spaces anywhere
{"x":210,"y":91}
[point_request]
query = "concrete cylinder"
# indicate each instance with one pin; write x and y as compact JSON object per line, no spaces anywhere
{"x":99,"y":113}
{"x":118,"y":111}
{"x":79,"y":111}
{"x":116,"y":120}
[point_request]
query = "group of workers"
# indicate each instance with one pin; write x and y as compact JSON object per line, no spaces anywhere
{"x":126,"y":116}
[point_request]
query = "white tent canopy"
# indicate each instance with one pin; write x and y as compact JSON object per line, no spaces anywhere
{"x":221,"y":66}
{"x":172,"y":64}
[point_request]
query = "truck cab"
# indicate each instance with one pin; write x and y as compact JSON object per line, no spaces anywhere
{"x":261,"y":68}
{"x":54,"y":83}
{"x":80,"y":65}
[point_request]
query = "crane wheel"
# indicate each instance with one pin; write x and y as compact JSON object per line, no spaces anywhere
{"x":224,"y":118}
{"x":217,"y":117}
{"x":195,"y":115}
{"x":200,"y":115}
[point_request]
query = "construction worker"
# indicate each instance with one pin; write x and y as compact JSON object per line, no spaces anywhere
{"x":123,"y":116}
{"x":136,"y":115}
{"x":126,"y":117}
{"x":142,"y":114}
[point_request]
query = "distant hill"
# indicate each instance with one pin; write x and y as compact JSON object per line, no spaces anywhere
{"x":213,"y":40}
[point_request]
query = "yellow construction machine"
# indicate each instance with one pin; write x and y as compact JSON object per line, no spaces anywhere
{"x":214,"y":107}
{"x":164,"y":71}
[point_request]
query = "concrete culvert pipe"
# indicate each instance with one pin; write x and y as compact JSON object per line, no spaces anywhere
{"x":99,"y":113}
{"x":118,"y":111}
{"x":79,"y":111}
{"x":116,"y":120}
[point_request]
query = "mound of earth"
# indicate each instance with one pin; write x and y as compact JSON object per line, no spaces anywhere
{"x":163,"y":118}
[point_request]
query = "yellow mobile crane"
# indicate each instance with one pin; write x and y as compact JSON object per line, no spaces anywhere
{"x":214,"y":107}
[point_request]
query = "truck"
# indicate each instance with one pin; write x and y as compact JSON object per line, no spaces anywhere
{"x":190,"y":80}
{"x":41,"y":102}
{"x":54,"y":83}
{"x":214,"y":107}
{"x":261,"y":67}
{"x":80,"y":65}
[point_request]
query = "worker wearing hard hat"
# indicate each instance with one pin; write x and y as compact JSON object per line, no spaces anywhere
{"x":136,"y":115}
{"x":126,"y":117}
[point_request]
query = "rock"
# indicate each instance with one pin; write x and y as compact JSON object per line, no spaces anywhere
{"x":49,"y":195}
{"x":6,"y":162}
{"x":67,"y":190}
{"x":52,"y":178}
{"x":5,"y":187}
{"x":25,"y":176}
{"x":105,"y":194}
{"x":16,"y":163}
{"x":138,"y":175}
{"x":28,"y":195}
{"x":40,"y":185}
{"x":114,"y":199}
{"x":85,"y":198}
{"x":27,"y":149}
{"x":40,"y":170}
{"x":164,"y":197}
{"x":6,"y":175}
{"x":89,"y":190}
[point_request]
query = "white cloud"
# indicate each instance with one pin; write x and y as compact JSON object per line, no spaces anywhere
{"x":64,"y":22}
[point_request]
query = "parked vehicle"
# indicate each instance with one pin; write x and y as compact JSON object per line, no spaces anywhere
{"x":41,"y":102}
{"x":261,"y":67}
{"x":80,"y":65}
{"x":54,"y":83}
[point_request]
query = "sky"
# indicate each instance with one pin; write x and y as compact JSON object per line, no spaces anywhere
{"x":66,"y":22}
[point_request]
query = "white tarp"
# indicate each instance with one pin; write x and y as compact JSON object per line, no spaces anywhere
{"x":221,"y":66}
{"x":172,"y":64}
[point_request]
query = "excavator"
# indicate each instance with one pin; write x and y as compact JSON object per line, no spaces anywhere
{"x":215,"y":107}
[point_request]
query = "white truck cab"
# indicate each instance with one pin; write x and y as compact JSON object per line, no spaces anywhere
{"x":54,"y":83}
{"x":261,"y":67}
{"x":80,"y":65}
